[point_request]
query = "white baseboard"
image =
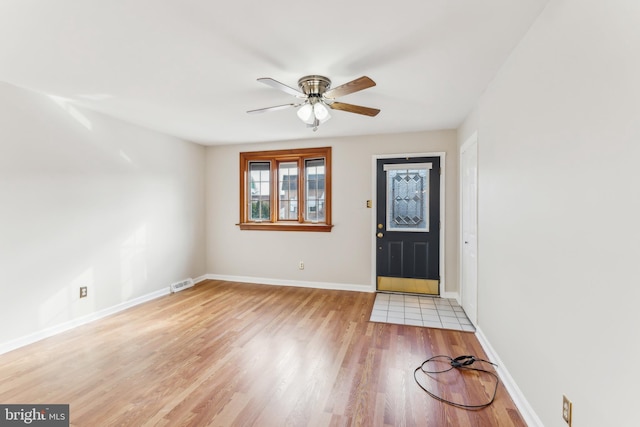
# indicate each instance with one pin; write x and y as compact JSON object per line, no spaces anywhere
{"x":63,"y":327}
{"x":527,"y":412}
{"x":199,"y":279}
{"x":452,"y":295}
{"x":303,"y":284}
{"x":295,"y":283}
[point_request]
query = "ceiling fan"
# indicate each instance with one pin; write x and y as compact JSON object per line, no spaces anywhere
{"x":316,"y":95}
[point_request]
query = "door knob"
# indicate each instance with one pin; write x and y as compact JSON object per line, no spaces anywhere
{"x":380,"y":235}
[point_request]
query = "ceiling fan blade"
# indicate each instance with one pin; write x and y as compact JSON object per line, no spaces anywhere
{"x":281,"y":86}
{"x":358,"y":109}
{"x":276,"y":108}
{"x":356,"y":85}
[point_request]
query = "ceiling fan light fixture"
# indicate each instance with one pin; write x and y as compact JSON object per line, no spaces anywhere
{"x":306,"y":113}
{"x":321,"y":112}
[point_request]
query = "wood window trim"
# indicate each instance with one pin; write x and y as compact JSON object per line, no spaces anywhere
{"x":275,"y":157}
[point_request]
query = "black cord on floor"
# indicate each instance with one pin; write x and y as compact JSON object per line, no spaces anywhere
{"x":460,"y":362}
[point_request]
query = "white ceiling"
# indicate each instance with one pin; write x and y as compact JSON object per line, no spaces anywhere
{"x":188,"y":68}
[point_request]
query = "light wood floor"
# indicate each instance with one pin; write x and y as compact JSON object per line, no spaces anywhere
{"x":231,"y":354}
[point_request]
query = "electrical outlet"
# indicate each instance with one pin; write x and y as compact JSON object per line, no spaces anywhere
{"x":301,"y":265}
{"x":567,"y":407}
{"x":83,"y":291}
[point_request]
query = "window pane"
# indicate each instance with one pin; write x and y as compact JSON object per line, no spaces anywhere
{"x":259,"y":191}
{"x":314,"y":191}
{"x":288,"y":187}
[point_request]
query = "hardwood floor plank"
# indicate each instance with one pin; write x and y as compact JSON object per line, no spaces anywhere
{"x":233,"y":354}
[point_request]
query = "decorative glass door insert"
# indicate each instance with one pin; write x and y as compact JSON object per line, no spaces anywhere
{"x":408,"y":196}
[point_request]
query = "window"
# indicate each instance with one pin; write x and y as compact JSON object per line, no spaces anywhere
{"x":286,"y":190}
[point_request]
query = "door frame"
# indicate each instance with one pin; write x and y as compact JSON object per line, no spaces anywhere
{"x":472,"y":140}
{"x":374,"y":161}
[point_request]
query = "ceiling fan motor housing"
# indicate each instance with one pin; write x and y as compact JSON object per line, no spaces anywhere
{"x":314,"y":85}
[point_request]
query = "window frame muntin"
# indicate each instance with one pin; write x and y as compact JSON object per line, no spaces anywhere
{"x":275,"y":157}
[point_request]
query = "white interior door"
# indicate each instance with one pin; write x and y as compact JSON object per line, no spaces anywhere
{"x":469,"y":221}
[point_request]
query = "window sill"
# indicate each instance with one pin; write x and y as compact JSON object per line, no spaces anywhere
{"x":271,"y":226}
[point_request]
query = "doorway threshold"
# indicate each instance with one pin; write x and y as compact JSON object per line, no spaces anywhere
{"x":418,"y":310}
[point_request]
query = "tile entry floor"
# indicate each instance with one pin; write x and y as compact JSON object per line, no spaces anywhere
{"x":418,"y":310}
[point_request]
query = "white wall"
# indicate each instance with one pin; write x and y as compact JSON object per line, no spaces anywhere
{"x":559,"y":146}
{"x":87,"y":200}
{"x":343,"y":256}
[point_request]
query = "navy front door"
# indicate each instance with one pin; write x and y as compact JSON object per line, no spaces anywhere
{"x":408,"y":225}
